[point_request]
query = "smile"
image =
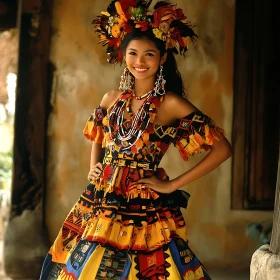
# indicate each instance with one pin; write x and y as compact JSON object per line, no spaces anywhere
{"x":141,"y":69}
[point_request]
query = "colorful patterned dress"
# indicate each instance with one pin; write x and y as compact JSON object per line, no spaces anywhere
{"x":119,"y":229}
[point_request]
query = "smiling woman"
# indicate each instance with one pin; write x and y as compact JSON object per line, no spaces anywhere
{"x":127,"y":224}
{"x":153,"y":51}
{"x":143,"y":60}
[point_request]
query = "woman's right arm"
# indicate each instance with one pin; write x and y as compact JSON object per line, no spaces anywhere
{"x":97,"y":152}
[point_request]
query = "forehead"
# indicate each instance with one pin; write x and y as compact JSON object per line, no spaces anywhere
{"x":142,"y":44}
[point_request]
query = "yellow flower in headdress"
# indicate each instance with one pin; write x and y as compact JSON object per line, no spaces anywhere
{"x":120,"y":12}
{"x":105,"y":14}
{"x":116,"y":30}
{"x":158,"y":33}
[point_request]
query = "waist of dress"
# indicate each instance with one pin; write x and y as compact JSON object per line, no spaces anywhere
{"x":130,"y":163}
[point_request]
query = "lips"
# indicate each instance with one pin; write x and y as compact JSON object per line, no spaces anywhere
{"x":140,"y":70}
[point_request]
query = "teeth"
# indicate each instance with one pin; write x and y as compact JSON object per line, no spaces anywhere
{"x":141,"y":69}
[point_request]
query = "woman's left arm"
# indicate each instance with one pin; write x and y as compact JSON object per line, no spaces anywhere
{"x":220,"y":151}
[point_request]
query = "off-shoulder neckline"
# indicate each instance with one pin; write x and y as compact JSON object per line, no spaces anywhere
{"x":175,"y":124}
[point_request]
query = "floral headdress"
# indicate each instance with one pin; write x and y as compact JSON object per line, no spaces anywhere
{"x":168,"y":24}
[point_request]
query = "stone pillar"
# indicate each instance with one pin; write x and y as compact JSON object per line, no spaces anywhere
{"x":265,"y":263}
{"x":25,"y":245}
{"x":26,"y":242}
{"x":275,"y":237}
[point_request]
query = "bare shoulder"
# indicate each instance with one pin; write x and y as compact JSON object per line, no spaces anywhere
{"x":109,"y":98}
{"x":178,"y":106}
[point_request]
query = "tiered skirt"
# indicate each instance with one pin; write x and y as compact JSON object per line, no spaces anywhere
{"x":121,"y":230}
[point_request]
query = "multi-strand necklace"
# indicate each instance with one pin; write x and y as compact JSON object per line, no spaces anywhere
{"x":129,"y":101}
{"x":126,"y":136}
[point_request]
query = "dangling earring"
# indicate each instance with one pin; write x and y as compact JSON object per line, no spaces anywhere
{"x":160,"y":82}
{"x":127,"y":80}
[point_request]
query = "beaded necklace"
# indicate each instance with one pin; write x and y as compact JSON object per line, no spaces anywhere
{"x":129,"y":101}
{"x":140,"y":97}
{"x":123,"y":136}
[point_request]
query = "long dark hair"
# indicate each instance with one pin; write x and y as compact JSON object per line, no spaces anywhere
{"x":174,"y":81}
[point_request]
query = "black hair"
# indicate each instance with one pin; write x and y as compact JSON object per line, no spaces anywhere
{"x":174,"y":81}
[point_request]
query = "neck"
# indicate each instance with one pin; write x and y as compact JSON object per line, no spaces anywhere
{"x":143,"y":86}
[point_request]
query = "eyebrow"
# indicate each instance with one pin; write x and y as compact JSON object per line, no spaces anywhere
{"x":145,"y":51}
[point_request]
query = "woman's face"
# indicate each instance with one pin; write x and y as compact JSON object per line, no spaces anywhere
{"x":143,"y":58}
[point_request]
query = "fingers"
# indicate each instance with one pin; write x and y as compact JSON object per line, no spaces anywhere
{"x":95,"y":172}
{"x":93,"y":175}
{"x":99,"y":165}
{"x":147,"y":180}
{"x":139,"y":185}
{"x":150,"y":183}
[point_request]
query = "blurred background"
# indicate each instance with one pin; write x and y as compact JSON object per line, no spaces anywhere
{"x":53,"y":73}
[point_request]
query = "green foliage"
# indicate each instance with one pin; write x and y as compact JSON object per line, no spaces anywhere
{"x":261,"y":234}
{"x":6,"y":162}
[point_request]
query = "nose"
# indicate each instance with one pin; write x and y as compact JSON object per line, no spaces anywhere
{"x":140,"y":60}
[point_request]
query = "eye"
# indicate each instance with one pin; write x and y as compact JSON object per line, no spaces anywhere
{"x":149,"y":54}
{"x":132,"y":53}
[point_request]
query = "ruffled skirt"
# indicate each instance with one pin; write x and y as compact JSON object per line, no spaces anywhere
{"x":124,"y":231}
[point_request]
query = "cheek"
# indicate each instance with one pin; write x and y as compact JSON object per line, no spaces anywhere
{"x":130,"y":60}
{"x":130,"y":56}
{"x":154,"y":60}
{"x":129,"y":64}
{"x":155,"y":63}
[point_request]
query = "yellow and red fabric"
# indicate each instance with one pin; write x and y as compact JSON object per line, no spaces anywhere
{"x":119,"y":229}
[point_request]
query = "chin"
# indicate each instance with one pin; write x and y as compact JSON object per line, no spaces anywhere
{"x":141,"y":77}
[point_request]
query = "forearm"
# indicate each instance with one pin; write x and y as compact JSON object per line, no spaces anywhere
{"x":213,"y":159}
{"x":97,"y":154}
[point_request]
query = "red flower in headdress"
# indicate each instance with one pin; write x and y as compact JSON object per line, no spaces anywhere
{"x":163,"y":17}
{"x":180,"y":14}
{"x":144,"y":25}
{"x":127,"y":28}
{"x":114,"y":42}
{"x":165,"y":13}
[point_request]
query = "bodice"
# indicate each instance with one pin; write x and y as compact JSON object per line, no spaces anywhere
{"x":149,"y":148}
{"x":190,"y":135}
